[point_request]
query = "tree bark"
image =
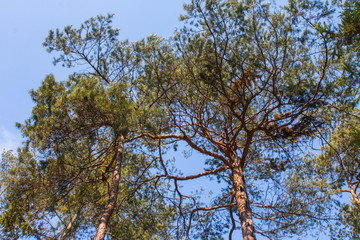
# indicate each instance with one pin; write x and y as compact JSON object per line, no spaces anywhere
{"x":68,"y":227}
{"x":243,"y":204}
{"x":104,"y":220}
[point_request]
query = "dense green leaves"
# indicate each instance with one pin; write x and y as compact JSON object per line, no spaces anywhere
{"x":58,"y":185}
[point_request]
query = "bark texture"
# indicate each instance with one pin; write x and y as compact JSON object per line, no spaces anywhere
{"x":243,"y":204}
{"x":101,"y":230}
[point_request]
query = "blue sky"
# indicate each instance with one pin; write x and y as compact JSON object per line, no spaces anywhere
{"x":24,"y":63}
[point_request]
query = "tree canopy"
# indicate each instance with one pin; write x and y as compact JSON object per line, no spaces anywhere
{"x":266,"y":95}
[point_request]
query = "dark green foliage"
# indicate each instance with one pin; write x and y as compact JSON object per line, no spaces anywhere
{"x":350,"y":22}
{"x":64,"y":173}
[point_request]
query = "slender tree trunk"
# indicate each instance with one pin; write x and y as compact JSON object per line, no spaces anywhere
{"x":354,"y":195}
{"x":69,"y":226}
{"x":347,"y":178}
{"x":100,"y":234}
{"x":243,"y":204}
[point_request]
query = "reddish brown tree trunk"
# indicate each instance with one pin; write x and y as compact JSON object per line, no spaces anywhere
{"x":101,"y":230}
{"x":243,"y":204}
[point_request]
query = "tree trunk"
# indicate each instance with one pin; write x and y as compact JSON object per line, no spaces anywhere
{"x":69,"y":226}
{"x":243,"y":204}
{"x":100,"y":233}
{"x":347,"y":178}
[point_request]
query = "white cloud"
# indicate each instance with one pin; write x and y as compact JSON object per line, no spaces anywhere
{"x":8,"y":139}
